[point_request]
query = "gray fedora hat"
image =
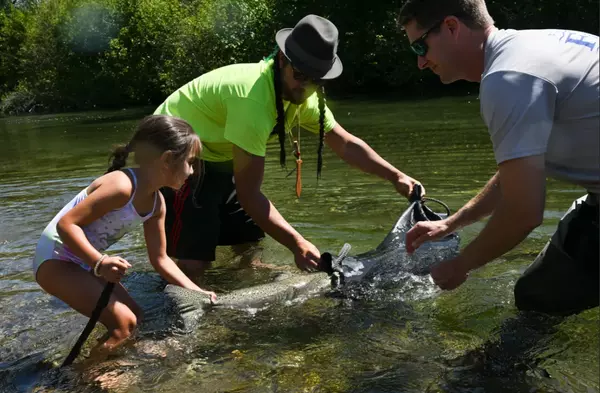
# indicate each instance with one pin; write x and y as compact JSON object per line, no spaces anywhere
{"x":311,"y":46}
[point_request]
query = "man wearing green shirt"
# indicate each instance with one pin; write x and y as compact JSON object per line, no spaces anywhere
{"x":235,"y":110}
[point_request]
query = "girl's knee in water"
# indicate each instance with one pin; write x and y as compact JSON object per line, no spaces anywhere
{"x":126,"y":324}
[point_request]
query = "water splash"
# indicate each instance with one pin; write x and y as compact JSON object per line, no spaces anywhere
{"x":389,"y":272}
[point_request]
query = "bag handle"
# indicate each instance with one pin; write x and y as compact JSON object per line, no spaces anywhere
{"x":422,"y":212}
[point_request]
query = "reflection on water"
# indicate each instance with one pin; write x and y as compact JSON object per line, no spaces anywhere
{"x":406,"y":336}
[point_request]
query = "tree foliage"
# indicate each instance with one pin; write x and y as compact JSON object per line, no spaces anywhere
{"x":76,"y":54}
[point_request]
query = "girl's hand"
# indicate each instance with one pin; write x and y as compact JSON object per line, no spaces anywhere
{"x":212,"y":295}
{"x":112,"y":269}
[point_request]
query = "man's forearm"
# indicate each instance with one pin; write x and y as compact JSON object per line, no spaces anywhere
{"x":516,"y":212}
{"x":360,"y":155}
{"x":266,"y":216}
{"x":479,"y":207}
{"x":248,"y":172}
{"x":506,"y":228}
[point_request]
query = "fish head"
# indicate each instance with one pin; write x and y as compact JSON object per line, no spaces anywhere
{"x":185,"y":307}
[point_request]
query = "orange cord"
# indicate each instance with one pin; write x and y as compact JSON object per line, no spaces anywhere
{"x":298,"y":169}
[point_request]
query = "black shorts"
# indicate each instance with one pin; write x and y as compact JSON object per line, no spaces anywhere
{"x":216,"y":219}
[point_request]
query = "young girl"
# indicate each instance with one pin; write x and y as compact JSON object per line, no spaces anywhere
{"x":69,"y":261}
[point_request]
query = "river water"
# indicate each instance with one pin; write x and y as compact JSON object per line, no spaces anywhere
{"x":467,"y":340}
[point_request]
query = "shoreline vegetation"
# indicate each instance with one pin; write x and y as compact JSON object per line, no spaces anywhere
{"x":74,"y":55}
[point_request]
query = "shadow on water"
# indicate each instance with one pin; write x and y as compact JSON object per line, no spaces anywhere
{"x":511,"y":362}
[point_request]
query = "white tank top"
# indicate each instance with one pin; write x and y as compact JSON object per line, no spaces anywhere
{"x":102,"y":233}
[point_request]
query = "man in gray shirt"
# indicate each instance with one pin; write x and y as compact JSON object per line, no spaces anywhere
{"x":539,"y":96}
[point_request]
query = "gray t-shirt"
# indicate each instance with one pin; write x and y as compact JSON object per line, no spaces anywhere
{"x":540,"y":94}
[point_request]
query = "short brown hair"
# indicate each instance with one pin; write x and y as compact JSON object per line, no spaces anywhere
{"x":426,"y":13}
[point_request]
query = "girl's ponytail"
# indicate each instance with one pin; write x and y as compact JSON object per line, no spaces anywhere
{"x":119,"y":157}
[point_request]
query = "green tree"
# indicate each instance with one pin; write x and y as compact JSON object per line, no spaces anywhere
{"x":76,"y":54}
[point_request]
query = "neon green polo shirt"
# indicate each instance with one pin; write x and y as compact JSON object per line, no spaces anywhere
{"x":235,"y":104}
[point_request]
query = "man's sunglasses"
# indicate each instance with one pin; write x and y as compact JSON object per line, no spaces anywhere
{"x":302,"y":77}
{"x":419,"y":46}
